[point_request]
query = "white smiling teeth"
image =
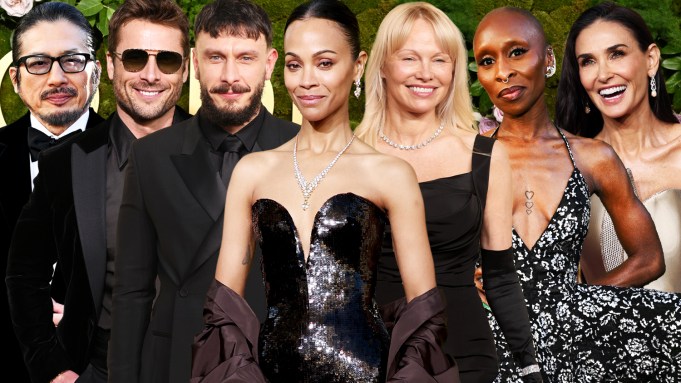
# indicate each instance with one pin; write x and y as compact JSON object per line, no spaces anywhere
{"x":149,"y":93}
{"x":613,"y":90}
{"x":421,"y":90}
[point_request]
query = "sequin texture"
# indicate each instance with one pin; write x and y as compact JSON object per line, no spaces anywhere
{"x":322,"y":324}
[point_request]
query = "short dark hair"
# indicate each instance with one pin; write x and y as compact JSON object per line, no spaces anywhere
{"x":332,"y":10}
{"x":235,"y":18}
{"x":162,"y":12}
{"x":53,"y":12}
{"x":572,"y":98}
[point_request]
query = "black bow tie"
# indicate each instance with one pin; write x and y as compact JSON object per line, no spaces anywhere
{"x":38,"y":141}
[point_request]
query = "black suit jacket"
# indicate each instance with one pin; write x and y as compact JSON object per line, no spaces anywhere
{"x":170,"y":227}
{"x":64,"y":222}
{"x":15,"y":171}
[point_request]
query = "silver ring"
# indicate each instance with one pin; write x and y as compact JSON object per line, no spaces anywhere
{"x":505,"y":81}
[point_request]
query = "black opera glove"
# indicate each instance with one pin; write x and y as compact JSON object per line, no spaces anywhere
{"x":505,"y":297}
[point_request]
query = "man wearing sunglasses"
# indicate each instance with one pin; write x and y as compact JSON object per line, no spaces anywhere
{"x":170,"y":224}
{"x":72,"y":215}
{"x":55,"y":74}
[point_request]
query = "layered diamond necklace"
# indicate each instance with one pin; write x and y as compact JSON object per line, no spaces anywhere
{"x":411,"y":147}
{"x":308,"y":187}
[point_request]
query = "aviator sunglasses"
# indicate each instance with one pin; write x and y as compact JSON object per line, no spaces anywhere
{"x":134,"y":60}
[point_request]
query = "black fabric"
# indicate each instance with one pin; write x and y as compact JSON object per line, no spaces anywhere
{"x":232,"y":149}
{"x":482,"y":152}
{"x":39,"y":141}
{"x":226,"y":348}
{"x":120,"y":141}
{"x":454,"y":214}
{"x":14,"y":193}
{"x":506,"y":299}
{"x":169,"y":234}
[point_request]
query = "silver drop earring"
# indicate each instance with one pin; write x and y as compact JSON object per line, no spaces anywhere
{"x":653,"y":87}
{"x":358,"y":89}
{"x":587,"y":109}
{"x":550,"y":69}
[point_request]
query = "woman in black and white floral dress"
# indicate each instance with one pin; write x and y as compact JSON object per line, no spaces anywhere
{"x":582,"y":333}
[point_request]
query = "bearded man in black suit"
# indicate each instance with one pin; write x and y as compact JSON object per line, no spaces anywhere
{"x":58,"y":92}
{"x":170,"y":224}
{"x":71,"y":217}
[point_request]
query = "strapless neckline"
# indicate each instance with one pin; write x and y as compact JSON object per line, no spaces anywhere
{"x":325,"y":204}
{"x":447,"y":178}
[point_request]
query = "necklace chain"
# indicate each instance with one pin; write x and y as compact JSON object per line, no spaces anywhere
{"x":411,"y":147}
{"x":308,"y":187}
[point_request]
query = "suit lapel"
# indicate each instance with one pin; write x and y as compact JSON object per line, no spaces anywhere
{"x":88,"y":169}
{"x":268,"y":138}
{"x":193,"y":165}
{"x":271,"y":134}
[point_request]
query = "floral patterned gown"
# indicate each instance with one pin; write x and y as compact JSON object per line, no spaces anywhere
{"x":586,"y":333}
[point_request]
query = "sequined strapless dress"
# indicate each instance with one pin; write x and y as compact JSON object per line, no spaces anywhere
{"x":322,"y":323}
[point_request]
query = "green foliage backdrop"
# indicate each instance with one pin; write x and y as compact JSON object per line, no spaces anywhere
{"x":663,"y":18}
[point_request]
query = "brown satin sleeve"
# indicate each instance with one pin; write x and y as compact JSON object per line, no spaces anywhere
{"x":418,"y":329}
{"x":226,"y":350}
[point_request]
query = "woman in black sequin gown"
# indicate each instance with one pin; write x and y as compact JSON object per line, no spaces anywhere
{"x":582,"y":333}
{"x":321,"y":245}
{"x":416,"y":81}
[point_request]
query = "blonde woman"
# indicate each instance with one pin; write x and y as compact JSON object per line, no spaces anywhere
{"x":320,"y":232}
{"x":419,"y":109}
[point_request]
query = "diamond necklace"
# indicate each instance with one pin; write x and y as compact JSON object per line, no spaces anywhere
{"x":308,"y":187}
{"x":411,"y":147}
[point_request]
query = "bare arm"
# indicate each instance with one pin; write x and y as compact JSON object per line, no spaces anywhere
{"x":236,"y":251}
{"x":633,"y":225}
{"x":404,"y":203}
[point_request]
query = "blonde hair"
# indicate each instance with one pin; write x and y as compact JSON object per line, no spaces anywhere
{"x":456,"y":111}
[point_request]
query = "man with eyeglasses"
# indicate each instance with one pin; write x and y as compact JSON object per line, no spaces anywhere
{"x":72,"y":215}
{"x":170,"y":225}
{"x":55,"y":74}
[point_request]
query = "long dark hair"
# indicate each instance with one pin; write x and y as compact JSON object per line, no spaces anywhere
{"x":572,"y":98}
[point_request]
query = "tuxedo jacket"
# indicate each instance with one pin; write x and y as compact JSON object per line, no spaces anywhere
{"x":170,"y":229}
{"x":15,"y":171}
{"x":64,"y":222}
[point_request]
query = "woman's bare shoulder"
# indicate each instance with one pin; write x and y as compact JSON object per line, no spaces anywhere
{"x":591,"y":150}
{"x":261,"y":163}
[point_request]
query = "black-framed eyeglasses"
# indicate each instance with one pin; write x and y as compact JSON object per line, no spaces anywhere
{"x":41,"y":64}
{"x":134,"y":60}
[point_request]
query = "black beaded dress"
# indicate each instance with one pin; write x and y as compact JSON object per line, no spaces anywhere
{"x":588,"y":333}
{"x":322,"y":323}
{"x":454,"y":210}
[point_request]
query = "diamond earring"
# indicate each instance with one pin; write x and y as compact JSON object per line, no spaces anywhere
{"x":358,"y":89}
{"x":653,"y":87}
{"x":587,"y":109}
{"x":550,"y":70}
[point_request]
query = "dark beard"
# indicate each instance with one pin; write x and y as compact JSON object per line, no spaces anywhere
{"x":63,"y":119}
{"x":228,"y":117}
{"x":66,"y":118}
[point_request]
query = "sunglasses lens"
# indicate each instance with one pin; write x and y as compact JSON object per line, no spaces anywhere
{"x":169,"y":62}
{"x":134,"y":60}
